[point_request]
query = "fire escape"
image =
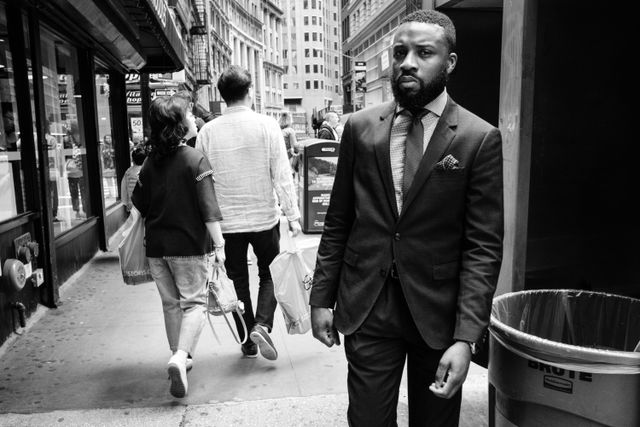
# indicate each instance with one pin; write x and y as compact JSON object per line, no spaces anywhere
{"x":200,"y":43}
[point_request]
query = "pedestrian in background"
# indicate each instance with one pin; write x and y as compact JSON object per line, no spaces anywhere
{"x":247,"y":151}
{"x":175,"y":195}
{"x":328,"y":127}
{"x":290,"y":141}
{"x":130,"y":178}
{"x":412,"y":244}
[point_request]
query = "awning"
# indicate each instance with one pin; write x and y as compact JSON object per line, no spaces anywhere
{"x":140,"y":34}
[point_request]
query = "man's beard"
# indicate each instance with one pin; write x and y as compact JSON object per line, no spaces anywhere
{"x":426,"y":93}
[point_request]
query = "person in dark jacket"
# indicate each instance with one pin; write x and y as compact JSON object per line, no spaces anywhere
{"x":175,"y":195}
{"x":328,"y":127}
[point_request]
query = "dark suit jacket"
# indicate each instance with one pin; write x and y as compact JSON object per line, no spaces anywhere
{"x":446,"y":242}
{"x":326,"y":132}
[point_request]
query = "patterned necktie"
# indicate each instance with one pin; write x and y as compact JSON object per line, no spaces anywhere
{"x":413,"y":151}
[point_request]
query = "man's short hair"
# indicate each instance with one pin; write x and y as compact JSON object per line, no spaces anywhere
{"x":438,"y":18}
{"x":234,"y":84}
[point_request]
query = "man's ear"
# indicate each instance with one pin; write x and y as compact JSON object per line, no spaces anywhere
{"x":452,"y":60}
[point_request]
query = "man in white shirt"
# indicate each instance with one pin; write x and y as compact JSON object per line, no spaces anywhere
{"x":253,"y":185}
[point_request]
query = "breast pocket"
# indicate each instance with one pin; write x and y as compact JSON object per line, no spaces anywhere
{"x":447,"y":180}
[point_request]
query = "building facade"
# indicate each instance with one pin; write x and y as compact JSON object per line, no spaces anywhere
{"x":311,"y":55}
{"x":64,"y":145}
{"x":367,"y":29}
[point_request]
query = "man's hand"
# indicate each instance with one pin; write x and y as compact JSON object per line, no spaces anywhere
{"x":452,"y":370}
{"x":294,"y":227}
{"x":322,"y":326}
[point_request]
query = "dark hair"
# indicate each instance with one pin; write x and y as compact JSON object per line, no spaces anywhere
{"x":138,"y":155}
{"x":437,"y":18}
{"x":166,"y":125}
{"x":234,"y":84}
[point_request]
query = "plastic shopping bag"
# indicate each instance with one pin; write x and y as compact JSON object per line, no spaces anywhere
{"x":292,"y":273}
{"x":133,"y":258}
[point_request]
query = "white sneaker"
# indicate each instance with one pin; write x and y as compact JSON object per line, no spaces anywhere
{"x":178,"y":376}
{"x":189,"y":364}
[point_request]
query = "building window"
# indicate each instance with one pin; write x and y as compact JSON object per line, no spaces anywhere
{"x":315,"y":84}
{"x":308,"y":84}
{"x":314,"y":20}
{"x":296,"y":85}
{"x":12,"y":191}
{"x":307,"y":68}
{"x":315,"y":68}
{"x":306,"y":53}
{"x":314,"y":36}
{"x":305,"y":4}
{"x":335,"y":60}
{"x":65,"y":128}
{"x":322,"y":85}
{"x":336,"y":74}
{"x":335,"y":16}
{"x":105,"y":139}
{"x":306,"y":20}
{"x":285,"y":85}
{"x":315,"y":53}
{"x":306,"y":37}
{"x":284,"y":54}
{"x":313,"y":4}
{"x":335,"y":46}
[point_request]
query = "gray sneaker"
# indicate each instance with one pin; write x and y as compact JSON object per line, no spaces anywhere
{"x":260,"y":336}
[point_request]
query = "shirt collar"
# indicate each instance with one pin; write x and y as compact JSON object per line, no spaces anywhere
{"x":436,"y":106}
{"x":235,"y":109}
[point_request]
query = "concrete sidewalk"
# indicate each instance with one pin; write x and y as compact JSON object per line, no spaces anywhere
{"x":100,"y":359}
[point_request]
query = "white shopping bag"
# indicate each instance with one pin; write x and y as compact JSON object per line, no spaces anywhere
{"x":292,"y":273}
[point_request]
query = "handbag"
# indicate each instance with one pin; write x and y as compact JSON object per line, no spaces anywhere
{"x":292,"y":274}
{"x":222,"y":299}
{"x":131,"y":250}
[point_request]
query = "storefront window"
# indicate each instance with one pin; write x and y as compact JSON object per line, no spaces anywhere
{"x":64,"y":132}
{"x":12,"y":196}
{"x":107,"y":152}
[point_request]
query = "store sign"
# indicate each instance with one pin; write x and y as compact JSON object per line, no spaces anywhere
{"x":136,"y":128}
{"x":133,"y":97}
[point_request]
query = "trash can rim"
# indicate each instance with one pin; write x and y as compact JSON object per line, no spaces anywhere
{"x":524,"y":337}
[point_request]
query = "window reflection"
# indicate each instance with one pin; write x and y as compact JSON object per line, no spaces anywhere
{"x":107,"y":152}
{"x":12,"y":200}
{"x":64,"y":133}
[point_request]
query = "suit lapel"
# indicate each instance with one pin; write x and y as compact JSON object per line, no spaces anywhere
{"x":382,"y":143}
{"x":440,"y":140}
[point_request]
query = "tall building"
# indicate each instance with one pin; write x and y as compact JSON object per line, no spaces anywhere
{"x":367,"y":30}
{"x":219,"y":47}
{"x":272,"y":96}
{"x":311,"y":54}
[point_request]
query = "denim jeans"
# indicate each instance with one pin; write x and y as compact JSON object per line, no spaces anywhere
{"x":181,"y":283}
{"x":266,"y":246}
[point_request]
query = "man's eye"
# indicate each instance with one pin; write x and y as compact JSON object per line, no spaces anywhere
{"x":425,"y":52}
{"x":399,"y":54}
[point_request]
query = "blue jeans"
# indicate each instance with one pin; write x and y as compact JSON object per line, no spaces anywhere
{"x":181,"y":282}
{"x":266,"y":246}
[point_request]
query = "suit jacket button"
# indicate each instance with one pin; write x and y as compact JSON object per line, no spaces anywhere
{"x":397,"y":236}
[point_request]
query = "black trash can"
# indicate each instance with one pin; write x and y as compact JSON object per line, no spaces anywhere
{"x":564,"y":358}
{"x":316,"y":174}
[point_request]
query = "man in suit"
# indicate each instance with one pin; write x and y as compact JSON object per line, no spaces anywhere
{"x":412,"y":243}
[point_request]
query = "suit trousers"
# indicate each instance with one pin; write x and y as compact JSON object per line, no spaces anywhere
{"x":376,"y":355}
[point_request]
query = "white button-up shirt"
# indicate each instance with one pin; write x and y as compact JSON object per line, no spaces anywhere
{"x":251,"y":170}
